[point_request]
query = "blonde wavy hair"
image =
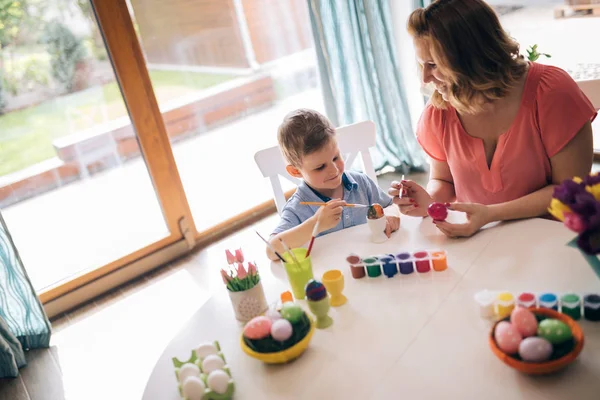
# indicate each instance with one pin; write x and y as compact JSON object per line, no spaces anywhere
{"x":471,"y":49}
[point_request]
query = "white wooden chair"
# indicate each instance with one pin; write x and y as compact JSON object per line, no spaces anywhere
{"x":353,"y":140}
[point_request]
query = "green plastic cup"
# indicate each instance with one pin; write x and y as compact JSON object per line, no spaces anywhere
{"x":298,"y":273}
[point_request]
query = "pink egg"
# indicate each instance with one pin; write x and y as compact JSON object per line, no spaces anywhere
{"x":507,"y":337}
{"x":281,"y":330}
{"x":258,"y":328}
{"x":524,"y":321}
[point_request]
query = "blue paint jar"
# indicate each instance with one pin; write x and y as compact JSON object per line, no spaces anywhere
{"x":548,"y":300}
{"x":389,"y":266}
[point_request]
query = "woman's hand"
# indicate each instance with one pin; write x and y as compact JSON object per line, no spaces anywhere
{"x":414,"y":200}
{"x":392,"y":224}
{"x":478,"y":215}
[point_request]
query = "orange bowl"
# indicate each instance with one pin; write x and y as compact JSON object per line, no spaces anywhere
{"x":547,"y":367}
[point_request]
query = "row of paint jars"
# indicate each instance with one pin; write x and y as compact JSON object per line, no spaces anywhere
{"x":391,"y":264}
{"x":571,"y":304}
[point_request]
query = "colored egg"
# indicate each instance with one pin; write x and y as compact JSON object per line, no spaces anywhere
{"x":212,"y":363}
{"x":507,"y":337}
{"x":193,"y":388}
{"x":273,"y":315}
{"x":218,"y":381}
{"x":206,"y":349}
{"x":535,"y":349}
{"x":292,"y":312}
{"x":554,"y":331}
{"x":375,"y":211}
{"x":188,"y":370}
{"x":258,"y":328}
{"x":524,"y":321}
{"x":315,"y":290}
{"x":281,"y":330}
{"x":437,"y":211}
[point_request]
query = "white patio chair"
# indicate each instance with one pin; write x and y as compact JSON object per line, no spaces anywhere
{"x":353,"y":140}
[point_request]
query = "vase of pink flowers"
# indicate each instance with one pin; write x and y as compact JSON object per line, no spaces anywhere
{"x":244,"y":286}
{"x":576,"y":202}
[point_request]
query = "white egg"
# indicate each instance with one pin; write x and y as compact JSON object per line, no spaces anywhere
{"x":212,"y":363}
{"x":188,"y":370}
{"x":218,"y":381}
{"x":273,"y":315}
{"x":206,"y":349}
{"x":193,"y":388}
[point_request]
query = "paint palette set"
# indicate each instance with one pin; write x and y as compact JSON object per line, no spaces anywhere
{"x":500,"y":304}
{"x":403,"y":263}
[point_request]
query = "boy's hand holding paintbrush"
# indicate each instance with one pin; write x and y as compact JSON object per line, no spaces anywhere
{"x":328,"y":216}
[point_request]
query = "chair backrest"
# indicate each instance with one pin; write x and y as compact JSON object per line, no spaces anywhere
{"x":353,"y":140}
{"x":591,"y":88}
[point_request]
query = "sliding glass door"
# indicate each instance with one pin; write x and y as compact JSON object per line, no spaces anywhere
{"x":88,"y":182}
{"x":225,"y":74}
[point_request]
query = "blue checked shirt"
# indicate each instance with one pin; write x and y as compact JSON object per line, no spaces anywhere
{"x":358,"y":189}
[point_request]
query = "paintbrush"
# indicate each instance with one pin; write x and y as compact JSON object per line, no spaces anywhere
{"x":315,"y":232}
{"x":317,"y":203}
{"x":401,"y":187}
{"x":270,"y":247}
{"x":287,"y":249}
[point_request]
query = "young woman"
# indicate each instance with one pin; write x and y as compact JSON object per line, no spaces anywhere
{"x":500,"y":131}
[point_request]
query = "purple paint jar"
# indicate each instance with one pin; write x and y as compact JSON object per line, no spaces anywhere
{"x":405,"y":265}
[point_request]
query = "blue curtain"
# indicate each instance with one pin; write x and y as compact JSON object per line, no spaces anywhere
{"x":360,"y":77}
{"x":23,"y":322}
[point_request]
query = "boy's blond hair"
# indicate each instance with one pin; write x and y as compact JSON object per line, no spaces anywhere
{"x":303,"y":132}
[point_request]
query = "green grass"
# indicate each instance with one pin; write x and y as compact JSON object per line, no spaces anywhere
{"x":26,"y":135}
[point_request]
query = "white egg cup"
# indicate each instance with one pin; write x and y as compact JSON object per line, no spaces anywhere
{"x":377,"y":227}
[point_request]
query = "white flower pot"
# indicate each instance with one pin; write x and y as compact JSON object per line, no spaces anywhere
{"x":248,"y":303}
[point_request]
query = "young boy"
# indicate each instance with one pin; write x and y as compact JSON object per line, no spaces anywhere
{"x":308,"y":143}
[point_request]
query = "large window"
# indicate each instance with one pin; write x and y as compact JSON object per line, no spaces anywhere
{"x":129,"y":127}
{"x":565,"y":32}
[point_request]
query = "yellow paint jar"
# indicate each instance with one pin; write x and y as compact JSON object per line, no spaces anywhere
{"x":505,"y":303}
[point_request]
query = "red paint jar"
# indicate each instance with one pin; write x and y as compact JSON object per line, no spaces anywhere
{"x":526,"y":300}
{"x":422,"y":264}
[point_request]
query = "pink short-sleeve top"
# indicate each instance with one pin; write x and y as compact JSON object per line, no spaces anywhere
{"x":553,"y":110}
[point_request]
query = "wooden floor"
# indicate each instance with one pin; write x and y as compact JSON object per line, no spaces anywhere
{"x":107,"y":348}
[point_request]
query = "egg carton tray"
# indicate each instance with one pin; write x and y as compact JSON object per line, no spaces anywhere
{"x":402,"y":263}
{"x":196,"y":360}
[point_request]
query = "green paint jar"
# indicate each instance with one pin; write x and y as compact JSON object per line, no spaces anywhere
{"x":373,"y":267}
{"x":570,"y":304}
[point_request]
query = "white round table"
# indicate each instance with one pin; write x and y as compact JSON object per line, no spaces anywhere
{"x":416,"y":336}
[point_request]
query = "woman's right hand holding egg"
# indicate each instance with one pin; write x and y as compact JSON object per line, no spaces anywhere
{"x":414,"y":200}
